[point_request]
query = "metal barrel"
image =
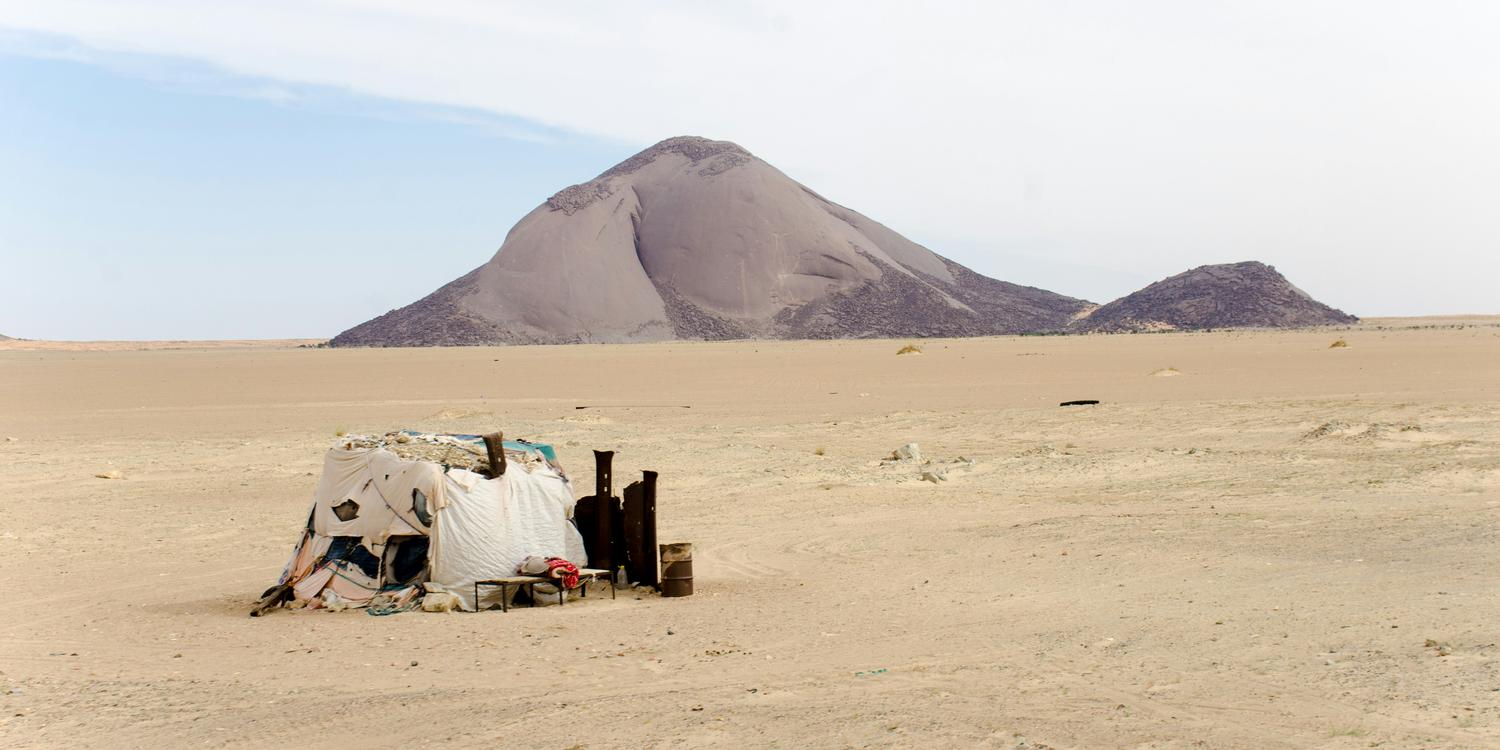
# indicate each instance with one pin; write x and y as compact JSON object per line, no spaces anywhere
{"x":677,"y":569}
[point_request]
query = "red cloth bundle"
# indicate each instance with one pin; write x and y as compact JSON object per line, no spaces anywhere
{"x":560,"y":568}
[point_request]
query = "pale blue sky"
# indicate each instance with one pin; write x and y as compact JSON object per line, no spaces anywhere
{"x":272,"y":169}
{"x":184,"y":207}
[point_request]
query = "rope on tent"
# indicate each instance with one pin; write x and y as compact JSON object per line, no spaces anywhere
{"x":372,"y":483}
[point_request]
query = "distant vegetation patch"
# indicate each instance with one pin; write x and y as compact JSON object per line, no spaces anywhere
{"x":909,"y":349}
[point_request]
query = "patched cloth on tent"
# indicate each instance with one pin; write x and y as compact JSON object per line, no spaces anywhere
{"x":372,"y":494}
{"x":490,"y":526}
{"x":371,"y":506}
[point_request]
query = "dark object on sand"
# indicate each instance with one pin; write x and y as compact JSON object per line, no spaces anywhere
{"x":598,"y":514}
{"x":1080,"y":402}
{"x":617,"y":534}
{"x":634,"y":406}
{"x":677,"y":569}
{"x":640,"y":531}
{"x":272,"y":598}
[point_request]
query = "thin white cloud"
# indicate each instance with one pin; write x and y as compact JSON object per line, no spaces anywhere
{"x":1348,"y":142}
{"x":190,"y":76}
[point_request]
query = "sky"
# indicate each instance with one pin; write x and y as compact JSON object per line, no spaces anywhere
{"x":175,"y":169}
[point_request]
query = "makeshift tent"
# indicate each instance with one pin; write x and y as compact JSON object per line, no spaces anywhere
{"x":383,"y":522}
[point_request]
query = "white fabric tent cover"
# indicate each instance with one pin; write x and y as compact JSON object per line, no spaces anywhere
{"x":479,"y":528}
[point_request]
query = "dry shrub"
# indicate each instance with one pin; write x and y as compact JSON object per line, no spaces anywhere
{"x":1340,"y":344}
{"x":909,"y":349}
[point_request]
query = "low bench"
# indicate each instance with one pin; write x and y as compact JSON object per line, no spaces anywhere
{"x":585,"y":575}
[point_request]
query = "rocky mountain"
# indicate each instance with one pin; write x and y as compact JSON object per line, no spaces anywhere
{"x":699,"y":239}
{"x":1232,"y":295}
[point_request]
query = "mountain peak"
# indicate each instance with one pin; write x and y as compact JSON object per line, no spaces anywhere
{"x":720,"y":156}
{"x":694,"y":147}
{"x":698,"y":239}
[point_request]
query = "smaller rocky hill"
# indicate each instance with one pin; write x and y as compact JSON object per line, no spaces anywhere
{"x":1231,"y":295}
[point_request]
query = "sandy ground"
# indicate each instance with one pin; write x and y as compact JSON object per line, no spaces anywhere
{"x":1281,"y":546}
{"x":120,"y":346}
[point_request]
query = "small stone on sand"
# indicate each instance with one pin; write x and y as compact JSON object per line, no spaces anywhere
{"x":907,"y":453}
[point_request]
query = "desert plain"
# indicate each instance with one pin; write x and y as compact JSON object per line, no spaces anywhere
{"x":1254,"y":540}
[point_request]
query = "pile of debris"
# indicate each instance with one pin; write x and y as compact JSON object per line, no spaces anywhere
{"x":928,"y":470}
{"x":466,"y":452}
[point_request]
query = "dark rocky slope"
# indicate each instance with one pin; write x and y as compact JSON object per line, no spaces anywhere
{"x":1232,"y":295}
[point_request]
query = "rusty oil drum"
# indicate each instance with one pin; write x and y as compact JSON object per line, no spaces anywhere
{"x":677,"y":569}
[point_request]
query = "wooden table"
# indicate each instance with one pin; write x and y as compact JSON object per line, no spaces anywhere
{"x":585,"y":575}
